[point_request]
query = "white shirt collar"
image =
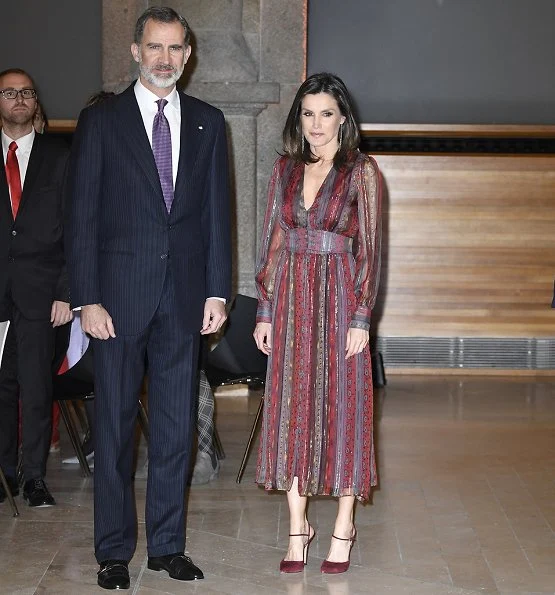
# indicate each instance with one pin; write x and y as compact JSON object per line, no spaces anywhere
{"x":24,"y":144}
{"x":147,"y":99}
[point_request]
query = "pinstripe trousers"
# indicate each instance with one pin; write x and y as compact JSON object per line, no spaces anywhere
{"x":172,"y":371}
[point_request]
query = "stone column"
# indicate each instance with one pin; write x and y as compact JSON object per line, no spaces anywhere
{"x":241,"y":121}
{"x":118,"y":25}
{"x":283,"y":60}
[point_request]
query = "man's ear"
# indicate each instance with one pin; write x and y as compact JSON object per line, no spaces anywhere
{"x":135,"y":51}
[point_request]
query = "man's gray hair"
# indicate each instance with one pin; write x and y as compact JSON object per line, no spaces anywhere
{"x":161,"y":14}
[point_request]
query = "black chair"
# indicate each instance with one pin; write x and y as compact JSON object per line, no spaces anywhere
{"x":3,"y":334}
{"x":75,"y":385}
{"x":378,"y":371}
{"x":237,"y":360}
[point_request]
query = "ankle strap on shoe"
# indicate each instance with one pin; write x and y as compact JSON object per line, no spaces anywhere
{"x":344,"y":538}
{"x":298,"y":535}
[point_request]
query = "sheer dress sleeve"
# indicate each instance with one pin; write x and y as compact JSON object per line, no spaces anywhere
{"x":271,"y":246}
{"x":368,"y":244}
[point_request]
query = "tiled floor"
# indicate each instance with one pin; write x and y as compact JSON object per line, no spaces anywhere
{"x":466,"y":504}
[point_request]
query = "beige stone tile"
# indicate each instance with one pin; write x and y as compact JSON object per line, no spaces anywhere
{"x":533,"y":530}
{"x":71,"y":579}
{"x":378,"y":547}
{"x":510,"y":568}
{"x":22,"y":579}
{"x":428,"y":570}
{"x":465,"y":506}
{"x":470,"y":572}
{"x":542,"y":560}
{"x":362,"y":581}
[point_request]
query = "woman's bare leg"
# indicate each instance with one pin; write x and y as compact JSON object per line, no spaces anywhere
{"x":344,"y":527}
{"x":298,"y":523}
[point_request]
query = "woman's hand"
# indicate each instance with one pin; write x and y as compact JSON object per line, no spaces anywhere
{"x":263,"y":337}
{"x":357,"y":339}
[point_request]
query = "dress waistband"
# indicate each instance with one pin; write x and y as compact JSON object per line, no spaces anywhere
{"x":317,"y":241}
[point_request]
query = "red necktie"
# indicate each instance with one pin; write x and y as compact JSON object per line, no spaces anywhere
{"x":64,"y":367}
{"x":14,"y":179}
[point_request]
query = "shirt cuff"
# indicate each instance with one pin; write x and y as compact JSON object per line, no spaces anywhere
{"x":217,"y":298}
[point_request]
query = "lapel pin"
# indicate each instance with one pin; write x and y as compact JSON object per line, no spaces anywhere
{"x":201,"y":127}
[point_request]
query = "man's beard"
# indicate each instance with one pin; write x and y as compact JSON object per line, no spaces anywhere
{"x":158,"y":81}
{"x":19,"y":118}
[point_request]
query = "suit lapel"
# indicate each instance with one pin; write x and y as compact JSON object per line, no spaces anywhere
{"x":33,"y":167}
{"x":133,"y":130}
{"x":188,"y":150}
{"x":5,"y":203}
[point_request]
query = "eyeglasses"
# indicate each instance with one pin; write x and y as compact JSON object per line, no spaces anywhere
{"x":13,"y":93}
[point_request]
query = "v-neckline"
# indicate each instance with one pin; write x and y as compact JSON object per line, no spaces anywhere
{"x":319,"y":191}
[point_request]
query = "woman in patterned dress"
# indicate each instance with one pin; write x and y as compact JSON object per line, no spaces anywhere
{"x":317,"y":278}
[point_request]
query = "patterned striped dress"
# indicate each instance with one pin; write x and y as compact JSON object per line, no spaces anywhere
{"x":317,"y":275}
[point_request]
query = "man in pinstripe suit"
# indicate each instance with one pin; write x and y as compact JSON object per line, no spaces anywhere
{"x":149,"y":261}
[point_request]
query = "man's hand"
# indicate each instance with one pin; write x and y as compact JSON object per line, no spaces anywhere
{"x":96,"y":322}
{"x":60,"y":313}
{"x":357,"y":339}
{"x":214,"y":316}
{"x":263,"y":337}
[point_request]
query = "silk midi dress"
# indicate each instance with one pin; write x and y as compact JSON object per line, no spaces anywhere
{"x":317,"y":275}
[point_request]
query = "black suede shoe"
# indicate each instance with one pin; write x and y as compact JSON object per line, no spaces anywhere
{"x":12,"y":484}
{"x":35,"y":493}
{"x":113,"y":574}
{"x":178,"y":566}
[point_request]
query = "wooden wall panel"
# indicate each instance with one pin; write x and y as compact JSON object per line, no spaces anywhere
{"x":469,"y":246}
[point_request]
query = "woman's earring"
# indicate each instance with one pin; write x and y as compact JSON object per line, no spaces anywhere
{"x":340,"y":135}
{"x":302,"y":144}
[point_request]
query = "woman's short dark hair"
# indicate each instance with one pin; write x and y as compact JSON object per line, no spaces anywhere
{"x":322,"y":82}
{"x":161,"y":14}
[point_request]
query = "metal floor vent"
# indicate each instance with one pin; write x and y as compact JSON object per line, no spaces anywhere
{"x":463,"y":352}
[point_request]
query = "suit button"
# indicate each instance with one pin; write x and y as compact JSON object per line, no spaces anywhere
{"x":14,"y":233}
{"x":163,"y":256}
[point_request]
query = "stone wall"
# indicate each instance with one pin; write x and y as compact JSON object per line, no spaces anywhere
{"x":248,"y":59}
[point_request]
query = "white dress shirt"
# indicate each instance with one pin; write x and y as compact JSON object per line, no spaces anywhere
{"x":23,"y":152}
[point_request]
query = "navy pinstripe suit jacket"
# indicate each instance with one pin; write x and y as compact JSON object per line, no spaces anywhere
{"x":120,"y":237}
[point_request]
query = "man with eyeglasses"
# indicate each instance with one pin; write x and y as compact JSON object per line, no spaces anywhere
{"x":34,"y":293}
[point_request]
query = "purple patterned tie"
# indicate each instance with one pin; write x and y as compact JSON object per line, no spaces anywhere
{"x":162,"y":149}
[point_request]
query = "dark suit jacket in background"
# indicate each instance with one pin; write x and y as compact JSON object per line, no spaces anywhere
{"x":32,"y":276}
{"x":32,"y":247}
{"x":120,"y":235}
